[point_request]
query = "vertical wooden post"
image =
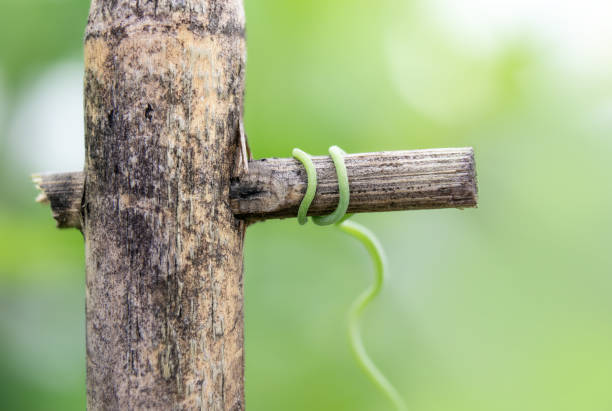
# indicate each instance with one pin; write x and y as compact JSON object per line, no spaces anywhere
{"x":164,"y":86}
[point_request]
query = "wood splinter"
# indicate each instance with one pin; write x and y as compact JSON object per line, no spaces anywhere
{"x":274,"y":187}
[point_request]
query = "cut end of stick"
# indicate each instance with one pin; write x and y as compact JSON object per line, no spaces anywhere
{"x":42,"y":196}
{"x":63,"y":193}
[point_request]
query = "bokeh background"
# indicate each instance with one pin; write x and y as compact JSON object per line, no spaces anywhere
{"x":505,"y":307}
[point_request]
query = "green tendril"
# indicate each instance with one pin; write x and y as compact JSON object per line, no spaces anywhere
{"x":337,"y":155}
{"x":371,"y":243}
{"x":374,"y":248}
{"x":311,"y":189}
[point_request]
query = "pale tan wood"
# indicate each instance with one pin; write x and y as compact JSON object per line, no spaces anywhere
{"x":381,"y":181}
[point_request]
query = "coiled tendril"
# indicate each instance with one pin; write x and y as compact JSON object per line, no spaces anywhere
{"x":374,"y":248}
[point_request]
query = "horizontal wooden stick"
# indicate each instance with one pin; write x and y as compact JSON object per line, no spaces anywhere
{"x":274,"y":187}
{"x":64,"y":191}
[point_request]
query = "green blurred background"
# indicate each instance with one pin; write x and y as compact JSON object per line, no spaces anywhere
{"x":506,"y":307}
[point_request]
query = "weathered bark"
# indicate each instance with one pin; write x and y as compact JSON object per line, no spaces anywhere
{"x":274,"y":187}
{"x":163,"y":99}
{"x":381,"y":181}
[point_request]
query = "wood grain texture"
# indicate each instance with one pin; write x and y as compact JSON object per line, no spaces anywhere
{"x":164,"y":85}
{"x":381,"y":181}
{"x":274,"y":187}
{"x":64,"y":193}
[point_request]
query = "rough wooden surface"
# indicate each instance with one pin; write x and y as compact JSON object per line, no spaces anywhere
{"x":64,"y":193}
{"x":382,"y":181}
{"x":163,"y":99}
{"x":274,"y":187}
